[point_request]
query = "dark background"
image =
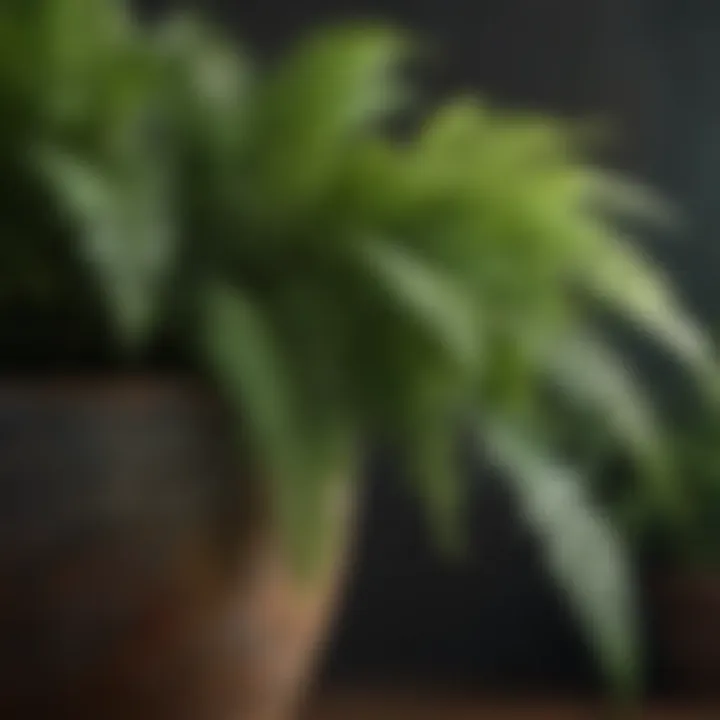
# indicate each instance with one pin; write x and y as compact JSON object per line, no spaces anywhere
{"x":650,"y":66}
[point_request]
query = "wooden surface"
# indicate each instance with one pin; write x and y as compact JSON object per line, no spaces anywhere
{"x":358,"y":705}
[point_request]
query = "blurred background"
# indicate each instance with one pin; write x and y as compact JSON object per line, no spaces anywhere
{"x":648,"y":66}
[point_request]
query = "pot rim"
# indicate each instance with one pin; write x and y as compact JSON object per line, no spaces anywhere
{"x":111,"y":384}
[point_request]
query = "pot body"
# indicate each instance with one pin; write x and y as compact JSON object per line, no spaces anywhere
{"x":687,"y":608}
{"x":139,"y":575}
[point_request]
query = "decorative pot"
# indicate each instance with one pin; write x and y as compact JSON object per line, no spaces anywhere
{"x":140,"y":577}
{"x":687,"y":606}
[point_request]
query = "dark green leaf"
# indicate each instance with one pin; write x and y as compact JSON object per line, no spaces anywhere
{"x":427,"y":295}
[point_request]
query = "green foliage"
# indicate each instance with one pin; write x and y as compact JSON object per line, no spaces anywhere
{"x":332,"y":277}
{"x":582,"y":547}
{"x":694,"y":537}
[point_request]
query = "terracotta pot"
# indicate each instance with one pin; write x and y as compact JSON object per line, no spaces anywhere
{"x":688,"y":624}
{"x":139,"y":575}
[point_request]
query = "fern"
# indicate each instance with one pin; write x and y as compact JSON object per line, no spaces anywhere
{"x":332,"y":278}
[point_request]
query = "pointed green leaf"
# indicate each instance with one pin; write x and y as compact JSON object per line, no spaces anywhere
{"x":633,"y":286}
{"x":330,"y":89}
{"x":253,"y":371}
{"x":614,"y":194}
{"x":432,"y":299}
{"x":208,"y":80}
{"x":594,"y":377}
{"x":124,"y":233}
{"x":583,"y":551}
{"x":591,"y":374}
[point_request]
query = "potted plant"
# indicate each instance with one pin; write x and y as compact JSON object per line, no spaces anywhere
{"x":218,"y":282}
{"x":683,"y":587}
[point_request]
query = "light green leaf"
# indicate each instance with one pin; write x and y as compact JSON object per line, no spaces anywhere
{"x":251,"y":368}
{"x":210,"y":77}
{"x":616,"y":195}
{"x":217,"y":70}
{"x":633,"y":286}
{"x":327,"y":92}
{"x":583,"y":550}
{"x":447,"y":134}
{"x":125,"y":234}
{"x":591,"y":374}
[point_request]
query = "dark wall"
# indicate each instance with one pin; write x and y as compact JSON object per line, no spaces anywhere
{"x":649,"y":66}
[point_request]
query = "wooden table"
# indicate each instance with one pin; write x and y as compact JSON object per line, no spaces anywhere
{"x":376,"y":705}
